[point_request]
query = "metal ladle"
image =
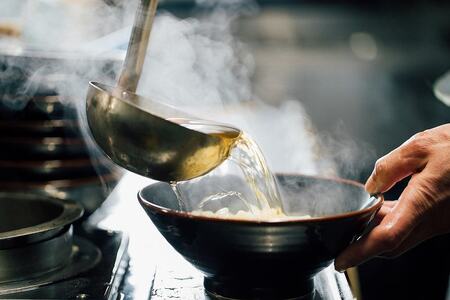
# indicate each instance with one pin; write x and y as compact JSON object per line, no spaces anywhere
{"x":147,"y":137}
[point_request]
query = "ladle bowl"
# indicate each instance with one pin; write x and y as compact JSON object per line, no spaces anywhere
{"x":271,"y":259}
{"x":147,"y":137}
{"x":152,"y":139}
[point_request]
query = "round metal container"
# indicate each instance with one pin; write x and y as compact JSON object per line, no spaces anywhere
{"x":90,"y":192}
{"x":47,"y":170}
{"x":46,"y":128}
{"x":42,"y":148}
{"x":35,"y":235}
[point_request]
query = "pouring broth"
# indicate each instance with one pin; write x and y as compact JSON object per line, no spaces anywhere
{"x":243,"y":152}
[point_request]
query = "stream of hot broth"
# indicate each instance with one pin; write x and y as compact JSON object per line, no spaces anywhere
{"x":246,"y":154}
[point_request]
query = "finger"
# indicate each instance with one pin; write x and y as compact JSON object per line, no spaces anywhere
{"x":389,"y":203}
{"x":421,"y":233}
{"x":407,"y":159}
{"x":381,"y":214}
{"x":417,"y":194}
{"x":388,"y":235}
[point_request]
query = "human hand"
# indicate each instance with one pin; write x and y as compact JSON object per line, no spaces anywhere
{"x":422,"y":210}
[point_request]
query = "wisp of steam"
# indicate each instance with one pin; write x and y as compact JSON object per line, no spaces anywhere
{"x":195,"y":64}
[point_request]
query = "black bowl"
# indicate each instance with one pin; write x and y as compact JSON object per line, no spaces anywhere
{"x":246,"y":259}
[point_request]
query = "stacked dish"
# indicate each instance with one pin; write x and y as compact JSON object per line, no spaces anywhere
{"x":43,"y":151}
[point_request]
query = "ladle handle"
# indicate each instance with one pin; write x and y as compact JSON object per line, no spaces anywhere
{"x":137,"y":47}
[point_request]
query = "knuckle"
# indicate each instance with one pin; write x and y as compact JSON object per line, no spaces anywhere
{"x":425,"y":194}
{"x":420,"y":140}
{"x":418,"y":146}
{"x":423,"y":135}
{"x":388,"y":239}
{"x":441,"y":133}
{"x":446,"y":132}
{"x":380,"y":168}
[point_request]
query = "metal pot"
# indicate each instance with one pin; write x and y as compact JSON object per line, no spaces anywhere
{"x":31,"y":228}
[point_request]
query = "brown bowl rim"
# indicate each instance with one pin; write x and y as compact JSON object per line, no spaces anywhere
{"x":375,"y":207}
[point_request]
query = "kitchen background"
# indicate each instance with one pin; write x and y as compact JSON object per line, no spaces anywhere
{"x":362,"y":70}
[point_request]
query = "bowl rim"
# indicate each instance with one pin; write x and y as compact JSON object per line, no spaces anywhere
{"x":187,"y":215}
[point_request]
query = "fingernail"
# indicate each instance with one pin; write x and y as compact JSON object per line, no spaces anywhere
{"x":339,"y":266}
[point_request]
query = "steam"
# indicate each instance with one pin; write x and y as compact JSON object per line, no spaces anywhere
{"x":348,"y":158}
{"x":54,"y":49}
{"x":195,"y":64}
{"x":54,"y":55}
{"x":198,"y":66}
{"x":69,"y":25}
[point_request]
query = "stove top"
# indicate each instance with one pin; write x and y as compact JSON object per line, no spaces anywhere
{"x":103,"y":258}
